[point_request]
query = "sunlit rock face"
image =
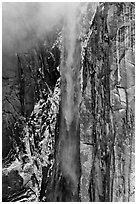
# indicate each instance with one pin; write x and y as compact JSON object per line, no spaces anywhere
{"x":23,"y":83}
{"x":34,"y":152}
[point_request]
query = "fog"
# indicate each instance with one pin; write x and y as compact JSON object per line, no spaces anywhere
{"x":25,"y":23}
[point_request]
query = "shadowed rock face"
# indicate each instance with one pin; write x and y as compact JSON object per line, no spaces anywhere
{"x":12,"y":183}
{"x":22,"y":90}
{"x":27,"y":168}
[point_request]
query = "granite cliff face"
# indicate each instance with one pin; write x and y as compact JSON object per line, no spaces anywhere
{"x":32,"y":91}
{"x":31,"y":154}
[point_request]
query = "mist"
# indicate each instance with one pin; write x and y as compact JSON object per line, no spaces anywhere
{"x":26,"y":23}
{"x":23,"y":24}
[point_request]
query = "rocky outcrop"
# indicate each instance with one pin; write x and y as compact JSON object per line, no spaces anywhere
{"x":24,"y":176}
